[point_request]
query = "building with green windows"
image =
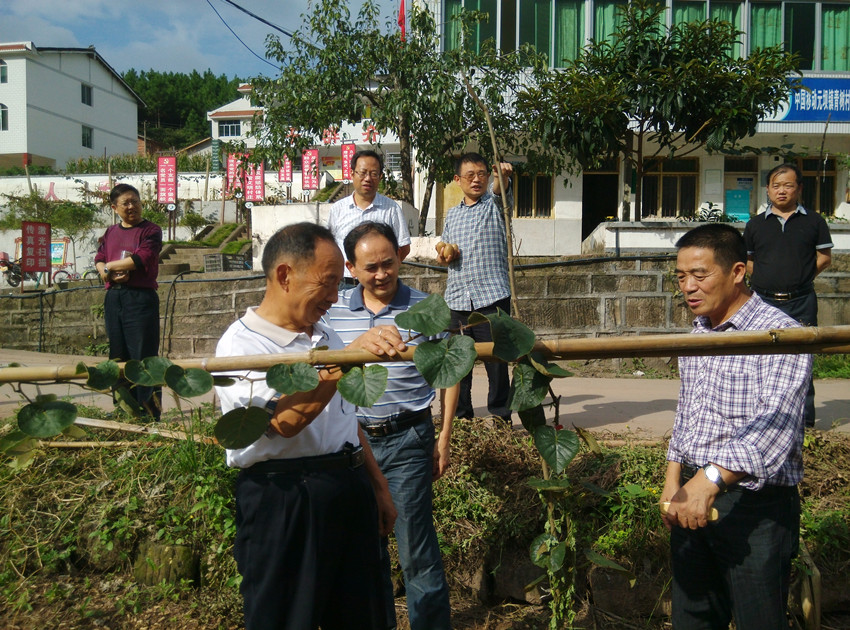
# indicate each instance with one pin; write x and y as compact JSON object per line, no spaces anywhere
{"x":554,"y":218}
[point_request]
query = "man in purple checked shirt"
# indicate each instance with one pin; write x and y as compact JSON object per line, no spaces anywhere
{"x":736,"y":447}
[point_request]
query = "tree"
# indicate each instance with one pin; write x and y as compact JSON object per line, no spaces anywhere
{"x":676,"y":90}
{"x":337,"y":69}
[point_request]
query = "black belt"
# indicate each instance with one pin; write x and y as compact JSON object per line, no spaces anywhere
{"x":396,"y":423}
{"x":790,"y":295}
{"x":334,"y":461}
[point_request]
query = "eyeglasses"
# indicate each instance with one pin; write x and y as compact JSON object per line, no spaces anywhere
{"x":365,"y":174}
{"x":472,"y":176}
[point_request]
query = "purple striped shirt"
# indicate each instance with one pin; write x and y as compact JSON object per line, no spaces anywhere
{"x":743,"y":412}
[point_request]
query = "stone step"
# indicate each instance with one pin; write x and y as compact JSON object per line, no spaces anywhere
{"x":172,"y":269}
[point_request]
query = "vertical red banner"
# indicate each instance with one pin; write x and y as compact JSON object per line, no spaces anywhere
{"x":285,"y":172}
{"x":166,"y":179}
{"x":348,"y":151}
{"x":234,"y":173}
{"x":310,"y":169}
{"x":35,"y":246}
{"x":255,"y":183}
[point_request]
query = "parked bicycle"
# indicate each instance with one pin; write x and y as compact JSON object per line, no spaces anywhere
{"x":66,"y":275}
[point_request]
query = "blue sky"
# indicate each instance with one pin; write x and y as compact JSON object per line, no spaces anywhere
{"x":163,"y":35}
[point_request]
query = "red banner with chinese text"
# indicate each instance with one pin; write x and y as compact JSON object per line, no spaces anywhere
{"x":348,"y":151}
{"x":285,"y":172}
{"x":234,"y":173}
{"x":166,"y":179}
{"x":255,"y":183}
{"x":35,"y":246}
{"x":310,"y":169}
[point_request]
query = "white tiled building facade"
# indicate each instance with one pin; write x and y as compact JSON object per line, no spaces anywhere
{"x":60,"y":104}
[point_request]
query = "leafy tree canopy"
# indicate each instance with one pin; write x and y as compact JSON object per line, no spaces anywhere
{"x":650,"y":92}
{"x":337,"y":68}
{"x":177,"y":103}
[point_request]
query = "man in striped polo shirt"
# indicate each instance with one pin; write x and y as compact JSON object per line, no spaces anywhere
{"x":399,"y":426}
{"x":366,"y":204}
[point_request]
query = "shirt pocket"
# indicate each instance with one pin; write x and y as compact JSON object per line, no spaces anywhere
{"x":734,"y":398}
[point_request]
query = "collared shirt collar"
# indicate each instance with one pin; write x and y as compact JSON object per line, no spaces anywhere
{"x":738,"y":321}
{"x":400,"y":300}
{"x":770,"y":211}
{"x":280,"y":336}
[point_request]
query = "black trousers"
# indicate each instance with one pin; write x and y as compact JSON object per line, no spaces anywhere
{"x":497,"y":372}
{"x":308,"y":550}
{"x":805,"y":310}
{"x":132,"y":325}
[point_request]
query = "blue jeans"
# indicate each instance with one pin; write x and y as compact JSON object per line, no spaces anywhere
{"x":739,"y":566}
{"x":406,"y":459}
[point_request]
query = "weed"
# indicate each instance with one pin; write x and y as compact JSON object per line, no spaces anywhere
{"x":831,"y":366}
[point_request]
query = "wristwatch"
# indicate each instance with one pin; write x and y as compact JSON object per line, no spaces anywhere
{"x":713,"y":473}
{"x":106,"y":270}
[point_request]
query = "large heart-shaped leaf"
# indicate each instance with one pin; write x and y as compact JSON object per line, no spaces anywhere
{"x":188,"y":383}
{"x":46,"y":419}
{"x":149,"y":372}
{"x":558,"y":448}
{"x":445,"y":362}
{"x":548,"y":552}
{"x":532,"y":418}
{"x":241,"y":427}
{"x":363,"y":386}
{"x":528,"y":387}
{"x":511,"y":339}
{"x":430,"y":317}
{"x":103,"y":375}
{"x":290,"y":378}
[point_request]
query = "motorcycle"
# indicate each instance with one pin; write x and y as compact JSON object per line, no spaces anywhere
{"x":12,"y":270}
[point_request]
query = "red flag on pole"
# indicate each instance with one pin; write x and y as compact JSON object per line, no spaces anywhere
{"x":401,"y":21}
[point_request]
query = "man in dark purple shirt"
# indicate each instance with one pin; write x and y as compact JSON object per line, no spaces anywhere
{"x":128,"y":263}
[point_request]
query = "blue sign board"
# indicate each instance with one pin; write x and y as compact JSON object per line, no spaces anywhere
{"x":820,"y":98}
{"x":737,"y":205}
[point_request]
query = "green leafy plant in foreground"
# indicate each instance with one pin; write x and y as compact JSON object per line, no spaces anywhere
{"x":442,"y":361}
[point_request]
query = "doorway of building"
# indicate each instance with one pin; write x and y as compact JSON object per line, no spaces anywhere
{"x":599,"y":199}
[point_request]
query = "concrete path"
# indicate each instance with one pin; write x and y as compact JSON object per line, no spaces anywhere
{"x":641,"y":407}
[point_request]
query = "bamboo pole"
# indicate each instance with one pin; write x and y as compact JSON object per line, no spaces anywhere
{"x":814,"y":340}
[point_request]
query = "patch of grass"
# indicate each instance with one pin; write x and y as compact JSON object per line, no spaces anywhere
{"x":831,"y":366}
{"x":234,"y":247}
{"x":218,"y":235}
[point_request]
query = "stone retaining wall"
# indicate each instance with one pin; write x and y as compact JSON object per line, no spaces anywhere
{"x":596,"y":299}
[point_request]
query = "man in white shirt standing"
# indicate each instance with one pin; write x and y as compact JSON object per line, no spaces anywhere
{"x":367,"y":204}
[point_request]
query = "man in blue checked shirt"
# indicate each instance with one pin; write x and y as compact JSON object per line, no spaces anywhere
{"x":400,"y":427}
{"x":478,"y":269}
{"x":736,"y":448}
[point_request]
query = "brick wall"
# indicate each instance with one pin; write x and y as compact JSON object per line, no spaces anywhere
{"x":602,"y":298}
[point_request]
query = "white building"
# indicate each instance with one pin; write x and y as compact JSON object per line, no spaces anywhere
{"x":554,"y":218}
{"x":60,"y":104}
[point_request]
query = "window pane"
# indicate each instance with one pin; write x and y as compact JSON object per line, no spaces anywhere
{"x":800,"y":32}
{"x":4,"y":72}
{"x":669,"y":196}
{"x":524,"y":196}
{"x":451,"y":27}
{"x":688,"y":195}
{"x":535,"y":24}
{"x":728,"y":12}
{"x":88,"y":137}
{"x":684,"y":12}
{"x":569,"y":31}
{"x":766,"y":25}
{"x":486,"y":29}
{"x":543,"y":203}
{"x":4,"y":118}
{"x":606,"y":18}
{"x":508,"y":31}
{"x":836,"y":37}
{"x":649,"y":198}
